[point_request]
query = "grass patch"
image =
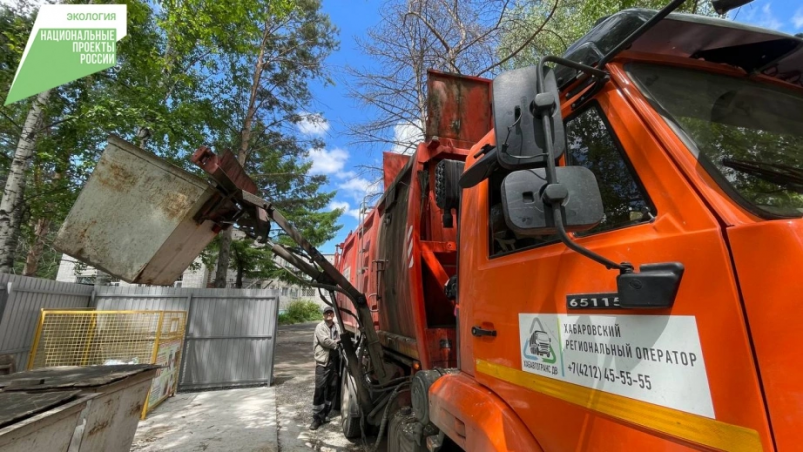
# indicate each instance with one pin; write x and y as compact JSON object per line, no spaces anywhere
{"x":301,"y":311}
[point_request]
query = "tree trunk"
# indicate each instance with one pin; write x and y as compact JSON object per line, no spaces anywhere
{"x":240,"y":273}
{"x":41,"y":228}
{"x":223,"y":256}
{"x":15,"y":185}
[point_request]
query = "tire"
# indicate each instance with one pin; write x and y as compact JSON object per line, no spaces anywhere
{"x":349,"y":409}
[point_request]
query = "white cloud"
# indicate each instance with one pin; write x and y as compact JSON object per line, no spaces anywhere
{"x":346,"y":209}
{"x":312,"y":124}
{"x":406,"y":135}
{"x":797,"y":19}
{"x":767,"y":19}
{"x":358,"y":188}
{"x":327,"y":162}
{"x":356,"y":184}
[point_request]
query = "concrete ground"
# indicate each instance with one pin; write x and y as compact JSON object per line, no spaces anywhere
{"x":269,"y":419}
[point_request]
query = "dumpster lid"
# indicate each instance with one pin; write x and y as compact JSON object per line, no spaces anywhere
{"x":18,"y":406}
{"x":67,"y":377}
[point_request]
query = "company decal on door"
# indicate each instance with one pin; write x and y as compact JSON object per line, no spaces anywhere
{"x":655,"y":359}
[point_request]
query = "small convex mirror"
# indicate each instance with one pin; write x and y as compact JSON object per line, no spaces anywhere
{"x":528,"y":215}
{"x":519,"y":129}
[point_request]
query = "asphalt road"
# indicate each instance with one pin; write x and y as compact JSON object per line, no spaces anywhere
{"x":294,"y":373}
{"x":263,"y":419}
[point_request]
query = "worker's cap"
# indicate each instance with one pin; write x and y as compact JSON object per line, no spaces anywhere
{"x":328,"y":309}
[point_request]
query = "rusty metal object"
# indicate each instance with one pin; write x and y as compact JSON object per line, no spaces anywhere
{"x":224,"y":169}
{"x":134,"y":218}
{"x":48,"y":430}
{"x":85,"y":409}
{"x":392,"y":165}
{"x":235,"y":200}
{"x":458,"y":108}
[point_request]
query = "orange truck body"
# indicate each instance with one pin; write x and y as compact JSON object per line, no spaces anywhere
{"x":734,"y":385}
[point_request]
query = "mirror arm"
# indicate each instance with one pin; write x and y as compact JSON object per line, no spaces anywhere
{"x":655,"y":285}
{"x":624,"y":267}
{"x":551,"y":177}
{"x":599,"y":76}
{"x":554,"y":193}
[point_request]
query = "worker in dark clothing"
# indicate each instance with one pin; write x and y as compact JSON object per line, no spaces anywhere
{"x":327,"y":360}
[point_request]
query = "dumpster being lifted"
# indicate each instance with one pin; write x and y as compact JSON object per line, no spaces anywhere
{"x":134,"y":217}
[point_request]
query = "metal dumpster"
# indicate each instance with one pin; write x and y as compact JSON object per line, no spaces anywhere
{"x":135,"y":217}
{"x":92,"y":408}
{"x":40,"y":422}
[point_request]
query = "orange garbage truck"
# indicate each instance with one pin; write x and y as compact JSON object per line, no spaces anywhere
{"x":599,"y":252}
{"x":609,"y":263}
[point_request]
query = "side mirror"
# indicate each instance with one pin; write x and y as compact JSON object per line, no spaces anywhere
{"x":539,"y":198}
{"x":528,"y":212}
{"x":517,"y":109}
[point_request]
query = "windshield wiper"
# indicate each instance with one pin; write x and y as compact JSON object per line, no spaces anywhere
{"x":785,"y":175}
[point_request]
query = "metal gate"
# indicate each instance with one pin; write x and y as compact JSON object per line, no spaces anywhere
{"x":230,"y":342}
{"x":230,"y":339}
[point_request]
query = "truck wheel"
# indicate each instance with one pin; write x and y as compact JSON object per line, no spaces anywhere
{"x":349,"y":409}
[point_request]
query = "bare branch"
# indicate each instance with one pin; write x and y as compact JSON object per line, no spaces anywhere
{"x":525,"y":43}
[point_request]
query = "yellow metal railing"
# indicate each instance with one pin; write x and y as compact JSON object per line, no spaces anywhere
{"x":87,"y":338}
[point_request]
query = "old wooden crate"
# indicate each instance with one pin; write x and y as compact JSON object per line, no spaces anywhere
{"x":134,"y":218}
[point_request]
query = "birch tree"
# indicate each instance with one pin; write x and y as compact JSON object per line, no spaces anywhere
{"x":187,"y":74}
{"x":10,"y":205}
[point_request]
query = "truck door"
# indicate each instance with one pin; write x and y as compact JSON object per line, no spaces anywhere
{"x":541,"y":327}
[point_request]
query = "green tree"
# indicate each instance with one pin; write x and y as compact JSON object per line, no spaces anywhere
{"x":21,"y":128}
{"x":73,"y":121}
{"x":183,"y":78}
{"x":289,"y":51}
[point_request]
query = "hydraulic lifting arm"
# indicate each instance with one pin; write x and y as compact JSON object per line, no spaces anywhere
{"x":235,"y":202}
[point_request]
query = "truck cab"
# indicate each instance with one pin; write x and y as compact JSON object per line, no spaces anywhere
{"x":696,"y":144}
{"x":600,"y":252}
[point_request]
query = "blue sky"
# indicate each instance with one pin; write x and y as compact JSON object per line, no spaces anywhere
{"x":340,"y":160}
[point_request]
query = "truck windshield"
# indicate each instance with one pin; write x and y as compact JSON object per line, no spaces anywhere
{"x":747,"y":135}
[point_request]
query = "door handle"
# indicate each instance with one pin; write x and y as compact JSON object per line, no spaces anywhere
{"x":479,"y":332}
